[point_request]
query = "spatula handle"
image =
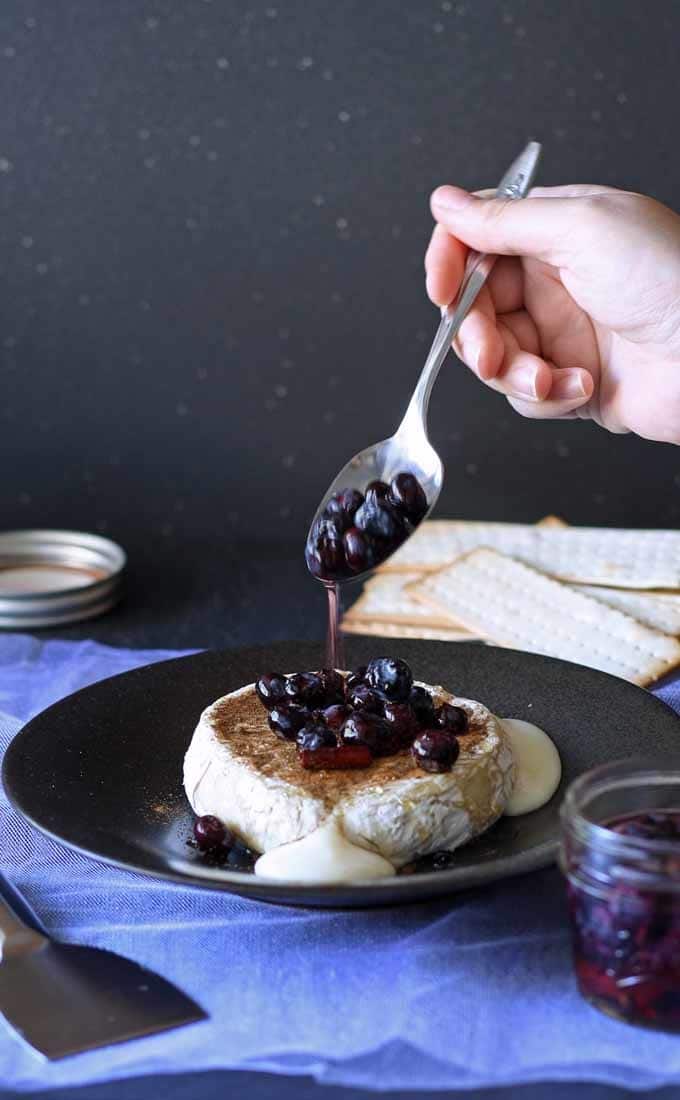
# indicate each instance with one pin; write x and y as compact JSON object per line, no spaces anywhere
{"x":20,"y":929}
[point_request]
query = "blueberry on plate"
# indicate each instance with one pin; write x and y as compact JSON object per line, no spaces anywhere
{"x":241,"y":858}
{"x":363,"y":728}
{"x":435,"y":751}
{"x":271,"y":689}
{"x":402,"y":721}
{"x":408,"y":495}
{"x":366,"y":699}
{"x":210,"y":834}
{"x":304,"y":689}
{"x":316,"y":735}
{"x":357,"y":677}
{"x":285,"y":721}
{"x":391,"y":676}
{"x":452,"y":719}
{"x":423,"y":706}
{"x":333,"y":685}
{"x":335,"y":716}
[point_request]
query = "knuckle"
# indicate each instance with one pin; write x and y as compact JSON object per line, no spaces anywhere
{"x":496,"y":210}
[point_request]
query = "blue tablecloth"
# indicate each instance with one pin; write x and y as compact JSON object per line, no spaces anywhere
{"x":468,"y":992}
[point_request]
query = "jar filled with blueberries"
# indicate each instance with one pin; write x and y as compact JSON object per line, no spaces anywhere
{"x":620,"y":854}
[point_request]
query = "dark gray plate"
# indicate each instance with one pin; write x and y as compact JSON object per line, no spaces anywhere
{"x":101,"y":770}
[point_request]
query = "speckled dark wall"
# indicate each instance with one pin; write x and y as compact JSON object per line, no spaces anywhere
{"x":213,"y":222}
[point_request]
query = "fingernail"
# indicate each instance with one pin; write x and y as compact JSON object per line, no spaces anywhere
{"x":450,"y":198}
{"x":568,"y":386}
{"x":523,"y":383}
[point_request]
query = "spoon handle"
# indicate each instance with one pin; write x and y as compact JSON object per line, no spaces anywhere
{"x":515,"y":184}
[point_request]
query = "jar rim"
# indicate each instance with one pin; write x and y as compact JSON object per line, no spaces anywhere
{"x":631,"y":771}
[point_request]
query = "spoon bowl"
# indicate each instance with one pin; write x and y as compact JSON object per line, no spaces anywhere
{"x":408,"y":451}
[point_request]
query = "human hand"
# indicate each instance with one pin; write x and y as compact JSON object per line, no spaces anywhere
{"x":580,"y":316}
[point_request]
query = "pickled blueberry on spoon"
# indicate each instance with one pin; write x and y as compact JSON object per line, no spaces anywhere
{"x":357,"y":531}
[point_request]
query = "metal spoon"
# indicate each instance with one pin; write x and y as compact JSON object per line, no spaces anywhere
{"x":409,"y":448}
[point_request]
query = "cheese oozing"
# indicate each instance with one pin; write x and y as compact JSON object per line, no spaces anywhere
{"x":323,"y":856}
{"x":539,"y":768}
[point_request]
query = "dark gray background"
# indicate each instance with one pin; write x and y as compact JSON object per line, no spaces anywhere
{"x":214,"y":218}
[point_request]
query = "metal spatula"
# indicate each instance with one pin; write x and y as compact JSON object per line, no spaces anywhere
{"x":63,"y":999}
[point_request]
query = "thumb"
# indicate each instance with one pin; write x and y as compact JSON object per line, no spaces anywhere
{"x":540,"y":227}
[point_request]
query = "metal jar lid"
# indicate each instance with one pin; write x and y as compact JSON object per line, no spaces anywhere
{"x":52,"y":577}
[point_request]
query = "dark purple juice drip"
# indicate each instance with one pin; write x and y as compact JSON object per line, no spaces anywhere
{"x":334,"y":647}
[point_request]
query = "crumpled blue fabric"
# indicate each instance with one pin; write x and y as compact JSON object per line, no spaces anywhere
{"x":472,"y":991}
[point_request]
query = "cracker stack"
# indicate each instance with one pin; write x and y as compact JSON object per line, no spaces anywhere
{"x":601,"y":597}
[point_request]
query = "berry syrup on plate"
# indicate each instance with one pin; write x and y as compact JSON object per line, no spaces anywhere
{"x":624,"y":902}
{"x":358,"y":531}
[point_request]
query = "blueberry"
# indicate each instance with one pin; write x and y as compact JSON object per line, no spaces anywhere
{"x":423,"y":706}
{"x":333,"y":686}
{"x":335,"y":511}
{"x":368,"y":729}
{"x":402,"y":721}
{"x":313,"y":562}
{"x":271,"y":689}
{"x":365,"y":699}
{"x":333,"y":562}
{"x":210,"y":833}
{"x":335,"y":716}
{"x":359,"y":550}
{"x":435,"y":751}
{"x":450,"y":718}
{"x":305,"y":689}
{"x":381,"y":521}
{"x":357,"y":677}
{"x":325,"y":553}
{"x":647,"y":826}
{"x":329,"y":530}
{"x":316,"y":735}
{"x":342,"y":507}
{"x":437,"y":861}
{"x":376,"y":491}
{"x":285,"y":721}
{"x":391,"y":676}
{"x":407,"y":494}
{"x":241,"y":858}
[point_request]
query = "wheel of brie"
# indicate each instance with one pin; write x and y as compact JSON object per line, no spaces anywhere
{"x":238,"y":770}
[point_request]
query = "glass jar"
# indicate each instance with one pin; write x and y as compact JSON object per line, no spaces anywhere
{"x":620,"y":854}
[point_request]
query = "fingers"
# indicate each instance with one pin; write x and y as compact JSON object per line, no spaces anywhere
{"x":539,"y":227}
{"x":506,"y":283}
{"x":479,"y":343}
{"x":570,"y":390}
{"x":505,"y":355}
{"x":493,"y":353}
{"x":523,"y":328}
{"x":523,"y":374}
{"x":444,"y":265}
